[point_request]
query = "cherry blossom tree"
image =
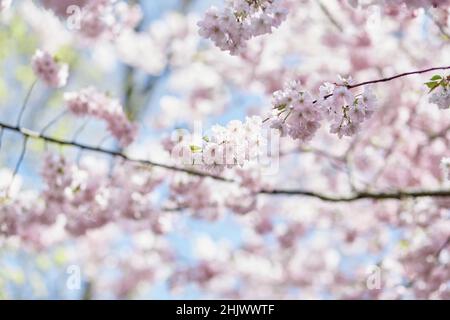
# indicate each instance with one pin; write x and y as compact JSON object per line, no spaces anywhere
{"x":252,"y":149}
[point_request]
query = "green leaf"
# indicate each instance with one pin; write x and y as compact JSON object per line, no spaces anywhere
{"x":281,"y":107}
{"x":436,"y":77}
{"x":60,"y":256}
{"x":404,"y":244}
{"x":195,"y":148}
{"x":431,"y":84}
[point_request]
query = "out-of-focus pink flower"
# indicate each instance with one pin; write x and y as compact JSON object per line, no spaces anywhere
{"x":47,"y":69}
{"x":231,"y":28}
{"x":60,"y":7}
{"x":90,"y":102}
{"x":441,"y":97}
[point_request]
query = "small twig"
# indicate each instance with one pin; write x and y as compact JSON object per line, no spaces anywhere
{"x":1,"y":136}
{"x":25,"y":103}
{"x":330,"y":17}
{"x":79,"y":130}
{"x":19,"y":162}
{"x":355,"y":196}
{"x":61,"y":142}
{"x":382,"y":80}
{"x":53,"y":121}
{"x":396,"y":77}
{"x":103,"y":140}
{"x":398,"y":195}
{"x":438,"y":25}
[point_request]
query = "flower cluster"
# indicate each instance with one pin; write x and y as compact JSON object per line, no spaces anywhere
{"x":197,"y":194}
{"x":241,"y":20}
{"x":47,"y":68}
{"x":346,"y":111}
{"x":89,"y":198}
{"x":299,"y":115}
{"x":96,"y":19}
{"x":295,"y":112}
{"x":440,"y":91}
{"x":90,"y":102}
{"x":84,"y":198}
{"x":236,"y":144}
{"x":107,"y":18}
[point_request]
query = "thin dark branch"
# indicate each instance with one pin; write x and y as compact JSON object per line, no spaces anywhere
{"x":36,"y":135}
{"x":1,"y":136}
{"x":79,"y":130}
{"x":383,"y":80}
{"x":442,"y":247}
{"x":397,"y":76}
{"x":330,"y":17}
{"x":53,"y":121}
{"x":25,"y":103}
{"x":441,"y":28}
{"x":357,"y":195}
{"x":396,"y":195}
{"x":19,"y":162}
{"x":103,"y":140}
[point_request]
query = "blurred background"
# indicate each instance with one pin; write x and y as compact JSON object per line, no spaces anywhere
{"x":168,"y":78}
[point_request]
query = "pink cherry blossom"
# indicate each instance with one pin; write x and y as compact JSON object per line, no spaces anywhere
{"x":47,"y":69}
{"x":240,"y":21}
{"x":258,"y":173}
{"x":90,"y":102}
{"x":441,"y":97}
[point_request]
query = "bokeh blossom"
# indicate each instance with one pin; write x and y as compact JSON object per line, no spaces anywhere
{"x":216,"y":153}
{"x":49,"y":70}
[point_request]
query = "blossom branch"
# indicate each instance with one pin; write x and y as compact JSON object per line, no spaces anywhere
{"x":356,"y":196}
{"x":36,"y":135}
{"x":25,"y":103}
{"x":405,"y":74}
{"x":396,"y":77}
